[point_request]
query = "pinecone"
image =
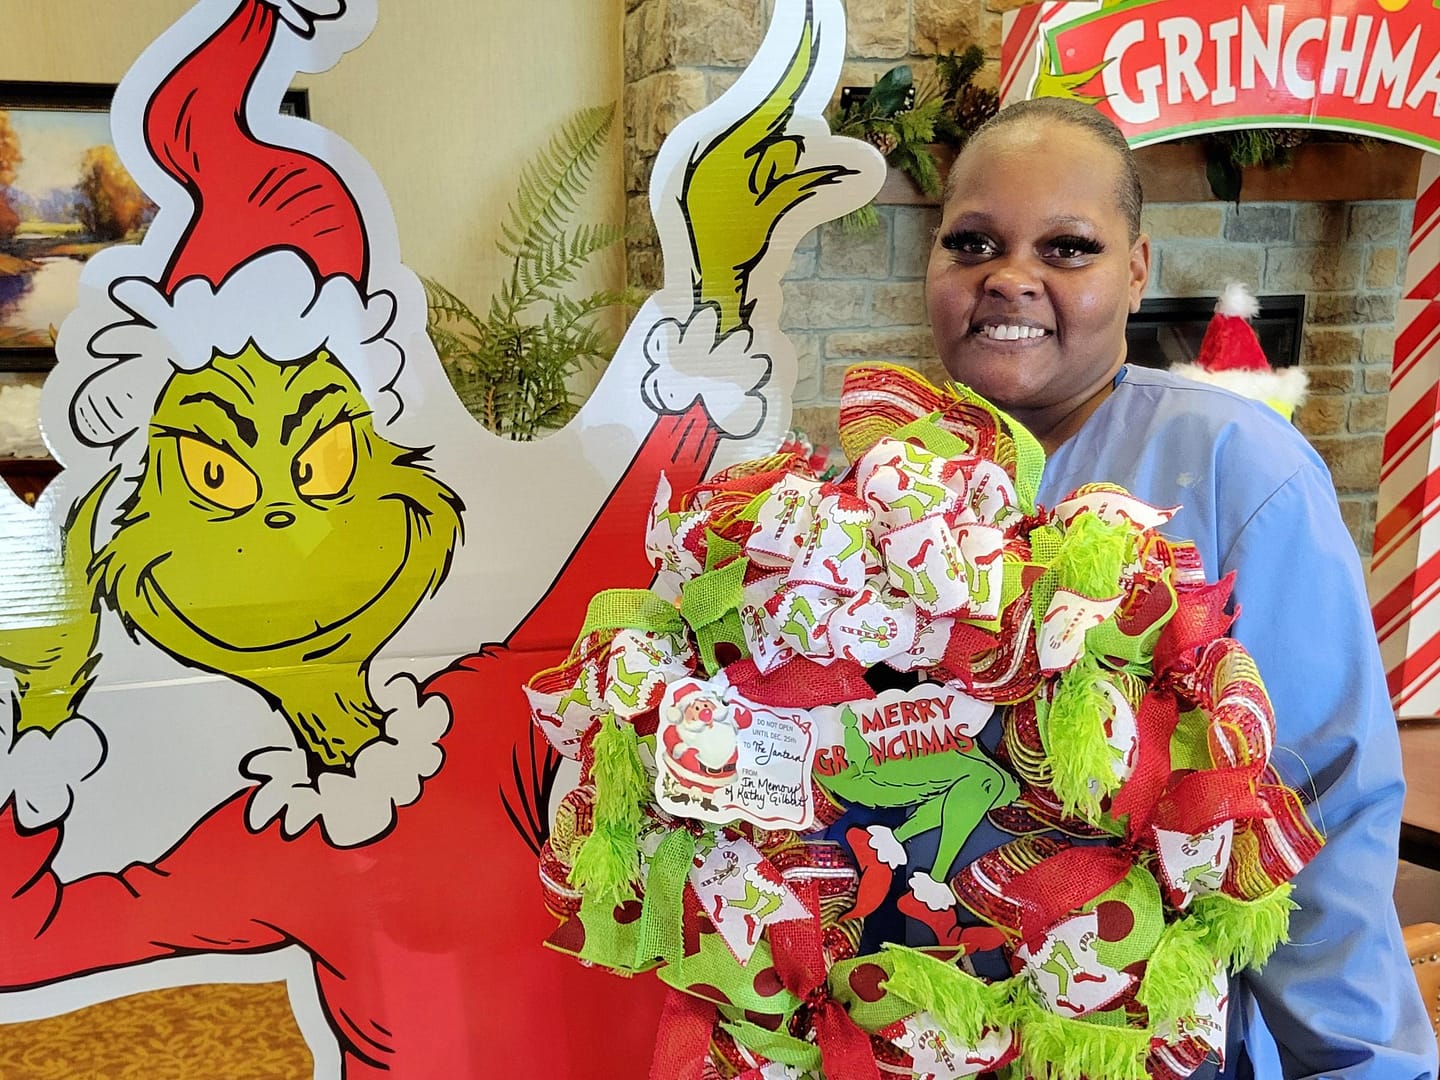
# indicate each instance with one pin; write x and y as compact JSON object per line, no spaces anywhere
{"x":1287,"y":138}
{"x":884,"y":141}
{"x":974,"y":106}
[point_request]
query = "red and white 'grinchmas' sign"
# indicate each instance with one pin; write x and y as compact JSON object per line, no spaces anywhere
{"x":1169,"y":68}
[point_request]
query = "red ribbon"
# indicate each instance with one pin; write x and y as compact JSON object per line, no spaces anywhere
{"x":1202,"y":800}
{"x":1069,"y":879}
{"x":799,"y":955}
{"x":1200,"y":617}
{"x":682,"y":1044}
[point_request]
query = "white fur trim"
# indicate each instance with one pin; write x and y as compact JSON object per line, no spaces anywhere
{"x":42,"y":769}
{"x":273,"y":300}
{"x":1237,"y":299}
{"x":689,"y":362}
{"x":889,"y":850}
{"x":935,"y":895}
{"x":354,"y":807}
{"x":1285,"y":385}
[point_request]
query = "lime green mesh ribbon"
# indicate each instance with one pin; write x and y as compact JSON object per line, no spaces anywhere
{"x":711,"y":602}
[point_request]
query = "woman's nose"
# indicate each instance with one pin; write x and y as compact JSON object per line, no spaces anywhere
{"x":1013,"y":281}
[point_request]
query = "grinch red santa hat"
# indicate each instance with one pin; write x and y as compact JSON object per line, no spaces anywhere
{"x":1230,"y":356}
{"x":275,"y":252}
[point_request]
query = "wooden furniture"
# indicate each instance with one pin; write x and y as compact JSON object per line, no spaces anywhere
{"x":1422,"y":941}
{"x":1420,"y":822}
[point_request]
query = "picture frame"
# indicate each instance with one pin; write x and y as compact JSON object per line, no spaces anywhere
{"x":63,"y":196}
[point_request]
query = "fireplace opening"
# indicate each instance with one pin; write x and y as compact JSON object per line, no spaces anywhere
{"x":1168,"y":330}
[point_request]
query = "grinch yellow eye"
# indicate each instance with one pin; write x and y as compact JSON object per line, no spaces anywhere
{"x":217,"y":475}
{"x":325,"y":467}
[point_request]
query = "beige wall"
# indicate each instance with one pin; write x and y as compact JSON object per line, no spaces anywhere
{"x":447,"y":100}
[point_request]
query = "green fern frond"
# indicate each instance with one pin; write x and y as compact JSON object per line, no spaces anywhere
{"x":551,"y":185}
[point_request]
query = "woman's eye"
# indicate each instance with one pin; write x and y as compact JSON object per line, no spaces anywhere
{"x":1073,"y":248}
{"x":969,"y":244}
{"x":217,"y":475}
{"x":326,"y":466}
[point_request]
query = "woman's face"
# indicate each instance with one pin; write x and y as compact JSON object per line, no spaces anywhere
{"x":1033,"y":274}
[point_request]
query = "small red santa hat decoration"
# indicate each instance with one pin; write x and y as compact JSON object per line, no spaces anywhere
{"x":275,"y":252}
{"x":1231,"y":356}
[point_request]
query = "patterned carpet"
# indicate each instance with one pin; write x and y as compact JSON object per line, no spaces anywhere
{"x":231,"y":1032}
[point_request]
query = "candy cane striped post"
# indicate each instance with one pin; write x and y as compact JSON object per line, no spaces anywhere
{"x":1021,"y":38}
{"x":1405,"y":571}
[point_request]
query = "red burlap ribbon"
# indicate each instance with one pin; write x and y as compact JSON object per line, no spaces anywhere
{"x":683,"y":1042}
{"x":799,"y":955}
{"x":800,"y":683}
{"x":1071,"y":878}
{"x":1200,"y":617}
{"x":1200,"y":801}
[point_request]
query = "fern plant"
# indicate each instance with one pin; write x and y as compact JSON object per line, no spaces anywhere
{"x":513,"y":367}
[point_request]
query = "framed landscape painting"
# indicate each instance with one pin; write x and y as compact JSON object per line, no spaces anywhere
{"x":64,"y":195}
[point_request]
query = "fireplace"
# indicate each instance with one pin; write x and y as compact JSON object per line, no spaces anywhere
{"x":1168,"y":330}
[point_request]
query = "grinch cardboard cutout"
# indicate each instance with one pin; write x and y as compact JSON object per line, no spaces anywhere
{"x":264,"y":640}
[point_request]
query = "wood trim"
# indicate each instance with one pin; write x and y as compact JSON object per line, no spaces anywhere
{"x":1175,"y":172}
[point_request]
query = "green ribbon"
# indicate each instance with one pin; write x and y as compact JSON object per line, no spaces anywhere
{"x":661,"y":934}
{"x":631,"y":609}
{"x":711,"y":601}
{"x":774,"y":1045}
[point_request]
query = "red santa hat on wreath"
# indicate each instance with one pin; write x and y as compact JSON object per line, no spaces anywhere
{"x":1230,"y":356}
{"x":275,"y":251}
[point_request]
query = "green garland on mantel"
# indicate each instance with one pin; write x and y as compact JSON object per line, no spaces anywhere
{"x":905,"y":119}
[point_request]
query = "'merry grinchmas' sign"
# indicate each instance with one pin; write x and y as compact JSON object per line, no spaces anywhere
{"x":1163,"y":68}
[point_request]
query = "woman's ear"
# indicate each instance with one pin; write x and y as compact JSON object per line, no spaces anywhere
{"x":1139,"y":270}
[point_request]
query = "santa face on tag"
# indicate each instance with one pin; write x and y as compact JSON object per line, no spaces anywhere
{"x":723,"y":759}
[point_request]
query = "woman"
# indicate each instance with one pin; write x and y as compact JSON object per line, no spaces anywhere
{"x":1038,"y":261}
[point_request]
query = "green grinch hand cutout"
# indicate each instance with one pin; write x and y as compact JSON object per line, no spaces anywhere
{"x":914,"y":748}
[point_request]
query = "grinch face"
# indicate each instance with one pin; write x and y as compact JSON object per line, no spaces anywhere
{"x":273,"y":527}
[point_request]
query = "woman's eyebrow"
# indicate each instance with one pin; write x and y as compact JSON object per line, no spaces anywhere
{"x":1068,"y":221}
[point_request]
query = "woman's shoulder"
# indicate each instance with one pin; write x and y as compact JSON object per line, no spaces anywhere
{"x":1199,"y":418}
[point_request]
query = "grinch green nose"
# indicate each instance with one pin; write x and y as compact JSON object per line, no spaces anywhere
{"x":278,"y":519}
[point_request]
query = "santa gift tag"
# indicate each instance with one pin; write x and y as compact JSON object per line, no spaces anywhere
{"x":936,"y":1054}
{"x":839,"y":553}
{"x":1062,"y":632}
{"x":784,"y":522}
{"x":1066,"y":969}
{"x":723,"y":759}
{"x":874,"y":626}
{"x":742,"y":892}
{"x":1194,"y":865}
{"x":1114,"y":506}
{"x":640,"y":663}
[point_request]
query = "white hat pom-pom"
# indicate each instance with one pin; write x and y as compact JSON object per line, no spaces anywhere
{"x":1237,"y":300}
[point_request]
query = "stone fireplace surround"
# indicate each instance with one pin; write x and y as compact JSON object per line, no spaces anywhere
{"x":859,"y":296}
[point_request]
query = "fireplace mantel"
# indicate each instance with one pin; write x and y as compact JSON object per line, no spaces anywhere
{"x":1175,"y":172}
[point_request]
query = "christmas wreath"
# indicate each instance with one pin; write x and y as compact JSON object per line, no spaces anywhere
{"x":814,"y":646}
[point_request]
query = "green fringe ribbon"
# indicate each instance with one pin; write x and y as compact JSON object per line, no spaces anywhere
{"x":1243,"y":933}
{"x":1092,"y":557}
{"x":1179,"y":969}
{"x":608,"y":862}
{"x":1059,"y":1048}
{"x":962,"y":1004}
{"x":1072,"y":728}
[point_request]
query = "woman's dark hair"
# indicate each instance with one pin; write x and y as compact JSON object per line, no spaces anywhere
{"x":1129,"y":196}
